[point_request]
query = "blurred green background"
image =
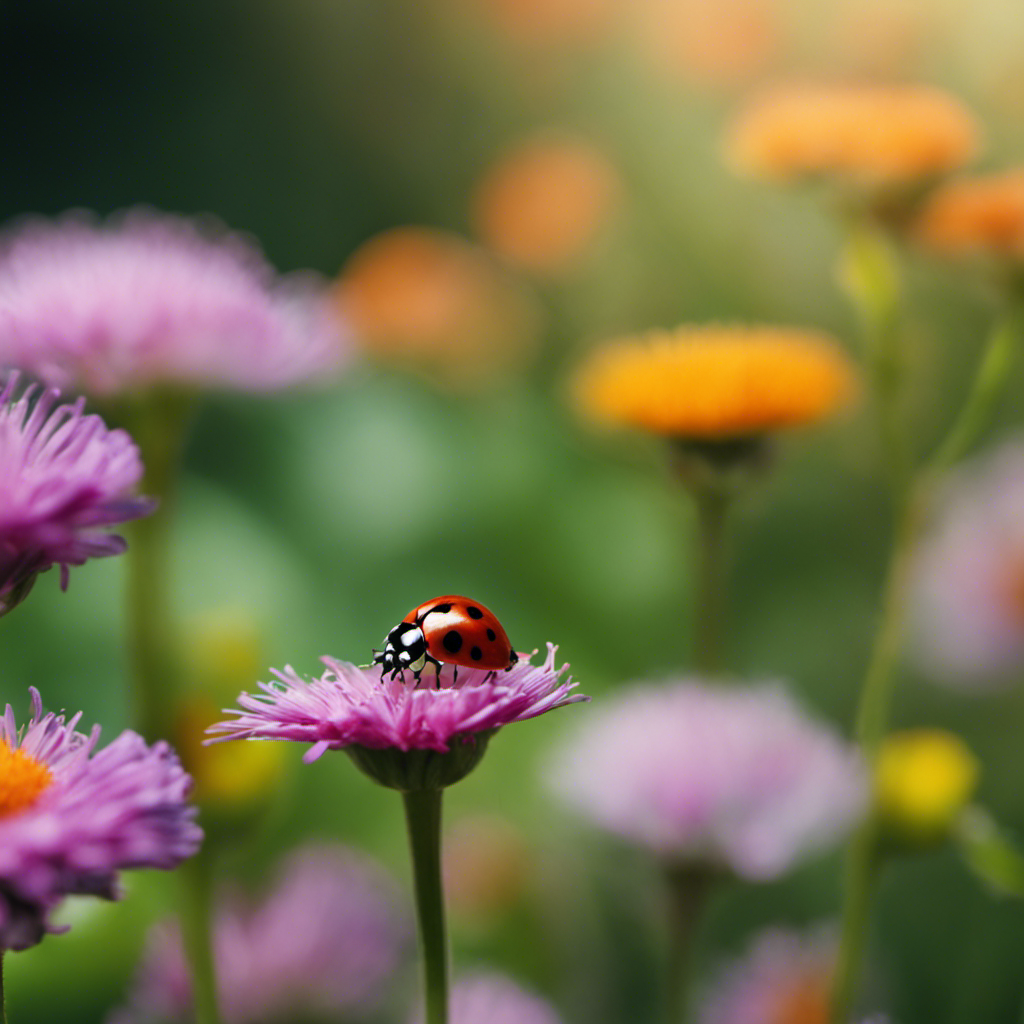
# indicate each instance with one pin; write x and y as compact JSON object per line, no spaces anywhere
{"x":314,"y":125}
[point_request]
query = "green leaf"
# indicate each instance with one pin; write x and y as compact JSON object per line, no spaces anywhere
{"x":990,"y":854}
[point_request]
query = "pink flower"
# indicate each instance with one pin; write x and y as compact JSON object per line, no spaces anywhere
{"x":784,"y":977}
{"x":724,"y":776}
{"x":968,"y":607}
{"x":72,"y":816}
{"x":148,"y":299}
{"x":491,"y":998}
{"x":325,"y":942}
{"x":64,"y":477}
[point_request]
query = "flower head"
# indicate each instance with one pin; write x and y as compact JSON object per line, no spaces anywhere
{"x":784,"y":978}
{"x":715,"y":383}
{"x":923,"y":780}
{"x":732,"y":777}
{"x":393,"y":728}
{"x":495,"y":999}
{"x":977,"y":216}
{"x":866,"y":135}
{"x":968,"y":597}
{"x":147,"y":299}
{"x":541,"y":205}
{"x":72,"y":816}
{"x":64,"y":477}
{"x":430,"y":300}
{"x":324,"y":943}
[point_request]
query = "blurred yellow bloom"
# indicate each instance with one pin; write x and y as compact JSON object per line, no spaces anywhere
{"x":225,"y":656}
{"x":715,"y":382}
{"x":983,"y":215}
{"x":428,"y":299}
{"x":544,"y":201}
{"x":923,"y":780}
{"x":866,"y":134}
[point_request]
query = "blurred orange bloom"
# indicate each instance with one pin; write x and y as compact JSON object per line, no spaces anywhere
{"x":429,"y":299}
{"x":486,"y":866}
{"x":715,"y":382}
{"x":983,"y":215}
{"x":714,"y":43}
{"x":538,"y":23}
{"x":543,"y":203}
{"x":871,"y":135}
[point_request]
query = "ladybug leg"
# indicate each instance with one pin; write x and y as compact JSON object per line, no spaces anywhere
{"x":455,"y":674}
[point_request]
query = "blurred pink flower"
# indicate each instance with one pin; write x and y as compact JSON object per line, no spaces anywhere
{"x":725,"y":776}
{"x":64,"y":477}
{"x":325,"y":943}
{"x":148,"y":299}
{"x":349,"y":706}
{"x":968,"y":606}
{"x":491,"y":998}
{"x":785,"y":977}
{"x":72,"y":816}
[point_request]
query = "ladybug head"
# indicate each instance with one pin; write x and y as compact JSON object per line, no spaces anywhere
{"x":405,"y":647}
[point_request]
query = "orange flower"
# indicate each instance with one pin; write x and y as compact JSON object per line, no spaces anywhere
{"x":542,"y":204}
{"x":716,"y":383}
{"x":872,"y":135}
{"x":430,"y":299}
{"x":977,"y":215}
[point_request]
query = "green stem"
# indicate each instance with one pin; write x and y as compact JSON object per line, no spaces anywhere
{"x":712,"y":508}
{"x":423,"y":818}
{"x":989,"y":383}
{"x":196,"y":878}
{"x":688,"y":890}
{"x":158,"y":425}
{"x":3,"y":991}
{"x":862,"y":865}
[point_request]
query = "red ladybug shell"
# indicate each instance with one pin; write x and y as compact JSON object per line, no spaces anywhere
{"x":461,"y":631}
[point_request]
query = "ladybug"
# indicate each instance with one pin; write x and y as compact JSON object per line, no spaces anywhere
{"x":452,"y":630}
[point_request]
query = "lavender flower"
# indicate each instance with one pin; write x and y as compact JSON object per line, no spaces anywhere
{"x":71,"y":817}
{"x":784,"y":976}
{"x":63,"y":477}
{"x":325,"y":943}
{"x":149,"y":299}
{"x":491,"y":998}
{"x":719,"y":776}
{"x":378,"y":720}
{"x":968,"y":606}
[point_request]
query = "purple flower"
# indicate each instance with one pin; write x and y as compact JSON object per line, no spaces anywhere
{"x":148,"y":299}
{"x":325,"y":942}
{"x":63,"y":478}
{"x":784,"y":976}
{"x":357,"y":710}
{"x":724,"y":776}
{"x":72,"y":816}
{"x":968,"y":602}
{"x":490,"y":998}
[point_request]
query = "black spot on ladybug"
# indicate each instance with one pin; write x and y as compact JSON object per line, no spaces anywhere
{"x":452,"y":641}
{"x":491,"y":635}
{"x":475,"y":653}
{"x":442,"y":608}
{"x":473,"y":612}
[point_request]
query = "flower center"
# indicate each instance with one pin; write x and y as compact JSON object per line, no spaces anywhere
{"x":804,"y":1002}
{"x":22,"y":779}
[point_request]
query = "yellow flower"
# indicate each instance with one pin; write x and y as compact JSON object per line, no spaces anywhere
{"x":923,"y":780}
{"x":715,"y":383}
{"x":869,"y":135}
{"x":542,"y":204}
{"x":983,"y":215}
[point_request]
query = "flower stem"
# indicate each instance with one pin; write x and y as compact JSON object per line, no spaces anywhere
{"x":196,"y":878}
{"x":712,"y":508}
{"x":423,"y":818}
{"x":158,"y":425}
{"x":688,"y":890}
{"x":3,"y":991}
